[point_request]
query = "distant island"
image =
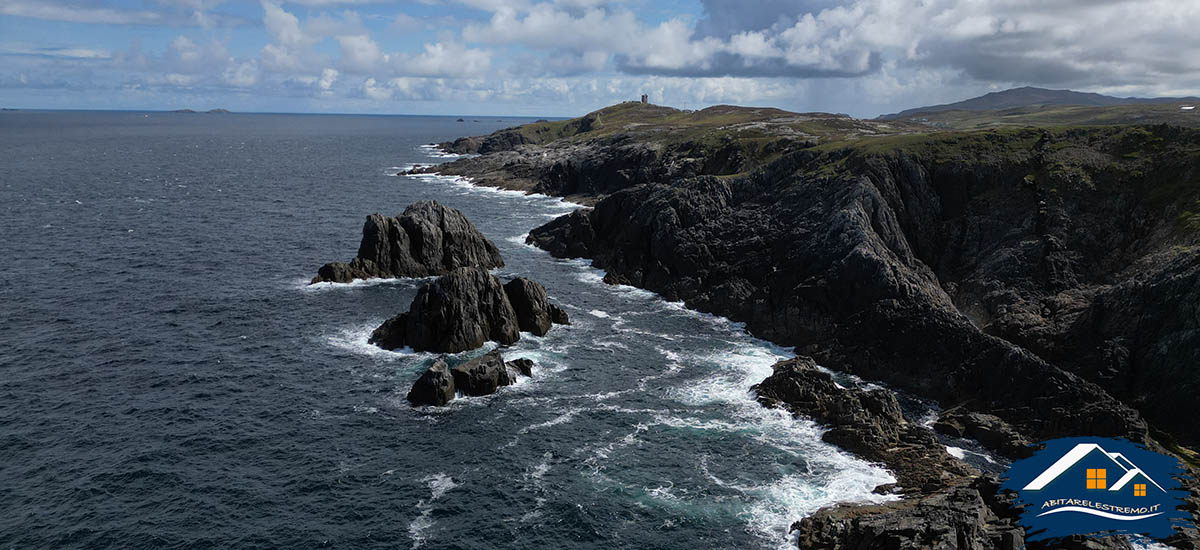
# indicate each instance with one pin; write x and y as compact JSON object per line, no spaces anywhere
{"x":210,"y":111}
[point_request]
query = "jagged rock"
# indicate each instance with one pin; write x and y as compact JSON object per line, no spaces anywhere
{"x":523,"y":366}
{"x":456,"y":312}
{"x":434,"y":387}
{"x":462,"y":310}
{"x":615,"y":279}
{"x":482,"y":375}
{"x":559,"y":315}
{"x":427,"y":239}
{"x":969,"y":516}
{"x":986,"y":429}
{"x":528,"y":299}
{"x":868,"y":423}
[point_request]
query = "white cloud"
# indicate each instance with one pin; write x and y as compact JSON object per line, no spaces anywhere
{"x":43,"y":9}
{"x":328,"y":77}
{"x":242,"y":75}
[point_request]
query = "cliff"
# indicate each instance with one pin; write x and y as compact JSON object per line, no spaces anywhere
{"x":1044,"y":279}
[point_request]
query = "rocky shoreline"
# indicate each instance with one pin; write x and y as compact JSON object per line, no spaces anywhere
{"x":1035,"y":283}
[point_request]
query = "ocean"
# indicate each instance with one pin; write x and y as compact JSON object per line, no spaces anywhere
{"x":168,"y":378}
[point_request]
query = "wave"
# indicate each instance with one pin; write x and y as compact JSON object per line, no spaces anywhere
{"x":439,"y":484}
{"x":306,"y":285}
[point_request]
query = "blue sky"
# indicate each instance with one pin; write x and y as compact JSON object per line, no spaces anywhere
{"x":566,"y":57}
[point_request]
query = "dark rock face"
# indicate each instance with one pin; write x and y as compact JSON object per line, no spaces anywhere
{"x":559,"y":315}
{"x":456,"y":312}
{"x":963,"y":517}
{"x":462,"y":310}
{"x":427,"y":239}
{"x":840,"y":266}
{"x":867,"y":423}
{"x":482,"y":375}
{"x":522,"y":366}
{"x":434,"y":387}
{"x":1036,"y":283}
{"x":528,"y":299}
{"x":986,"y":429}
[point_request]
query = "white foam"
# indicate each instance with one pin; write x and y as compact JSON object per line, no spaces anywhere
{"x":956,"y":452}
{"x":434,"y":151}
{"x":563,"y":418}
{"x":439,"y":484}
{"x":304,"y":284}
{"x":599,"y":313}
{"x":519,"y":240}
{"x":355,"y":340}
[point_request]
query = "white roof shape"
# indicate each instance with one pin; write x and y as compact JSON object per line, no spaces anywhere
{"x":1128,"y":468}
{"x":1188,"y":107}
{"x":1129,"y":477}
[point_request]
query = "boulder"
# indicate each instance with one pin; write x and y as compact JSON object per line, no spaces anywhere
{"x":558,"y":315}
{"x":522,"y":366}
{"x":434,"y":387}
{"x":427,"y":239}
{"x":456,"y":312}
{"x":482,"y":375}
{"x":528,"y":299}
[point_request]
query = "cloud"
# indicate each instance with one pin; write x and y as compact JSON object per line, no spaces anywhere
{"x":42,"y":9}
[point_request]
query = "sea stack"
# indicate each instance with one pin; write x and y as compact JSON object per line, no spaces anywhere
{"x":462,"y":310}
{"x":427,"y":239}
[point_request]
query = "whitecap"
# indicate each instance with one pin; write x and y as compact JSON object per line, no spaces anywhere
{"x":356,"y":340}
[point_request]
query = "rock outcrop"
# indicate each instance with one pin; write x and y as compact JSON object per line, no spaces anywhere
{"x":482,"y":375}
{"x":434,"y":387}
{"x":462,"y":310}
{"x":529,"y":301}
{"x":868,"y":423}
{"x":456,"y":312}
{"x":427,"y":239}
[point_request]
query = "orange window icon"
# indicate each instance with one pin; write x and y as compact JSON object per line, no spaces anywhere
{"x":1097,"y":478}
{"x":1139,"y":489}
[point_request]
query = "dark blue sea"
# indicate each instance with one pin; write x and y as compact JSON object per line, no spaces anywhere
{"x":168,"y":379}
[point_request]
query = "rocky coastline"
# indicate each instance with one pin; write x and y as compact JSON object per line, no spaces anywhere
{"x":1036,"y":283}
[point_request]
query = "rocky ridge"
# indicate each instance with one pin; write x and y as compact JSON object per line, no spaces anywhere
{"x":1036,"y":283}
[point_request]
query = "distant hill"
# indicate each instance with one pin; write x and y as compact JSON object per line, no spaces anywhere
{"x":1028,"y":96}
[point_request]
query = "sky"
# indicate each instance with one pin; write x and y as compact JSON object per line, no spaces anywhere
{"x":568,"y":57}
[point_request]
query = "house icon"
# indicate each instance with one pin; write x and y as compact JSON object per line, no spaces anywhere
{"x":1089,"y":466}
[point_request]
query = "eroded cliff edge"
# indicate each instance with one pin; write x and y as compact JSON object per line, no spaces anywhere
{"x":1047,"y":278}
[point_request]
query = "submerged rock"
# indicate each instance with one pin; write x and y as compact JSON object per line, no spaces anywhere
{"x":434,"y":387}
{"x":427,"y":239}
{"x":462,"y":310}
